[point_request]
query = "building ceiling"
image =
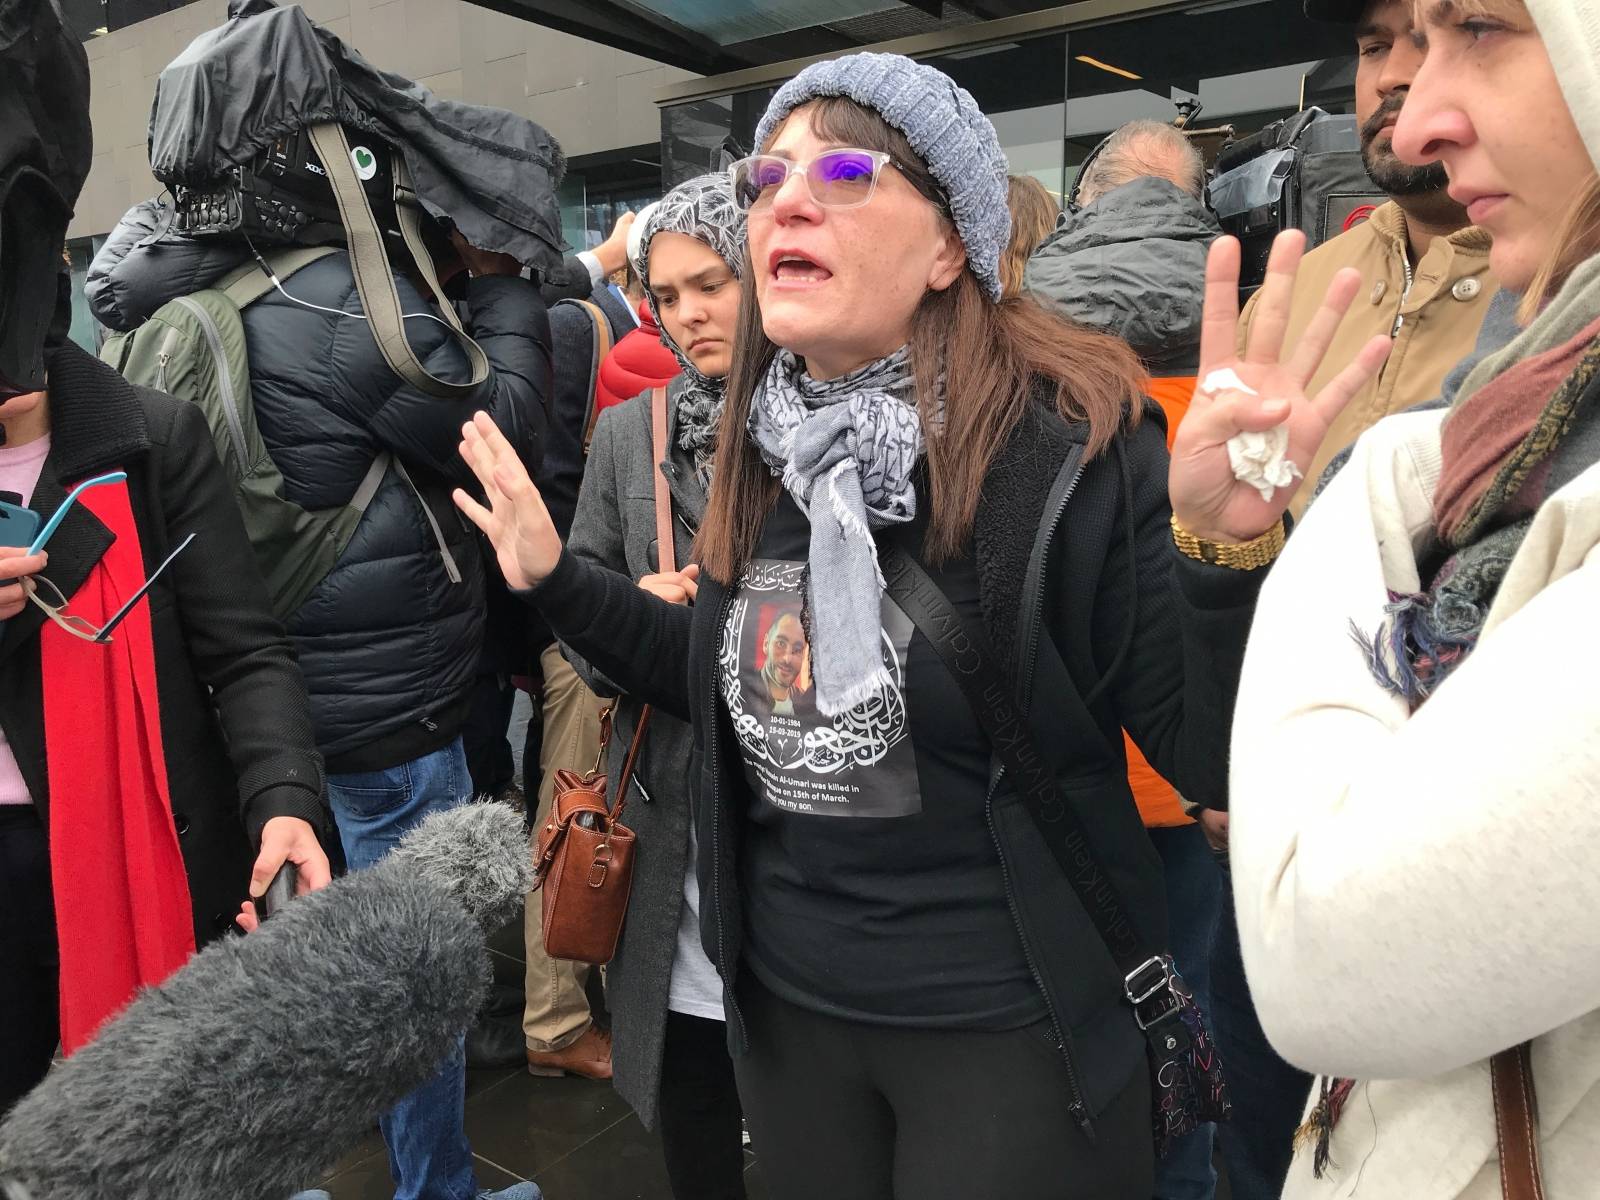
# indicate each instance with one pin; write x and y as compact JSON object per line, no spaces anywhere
{"x":713,"y":36}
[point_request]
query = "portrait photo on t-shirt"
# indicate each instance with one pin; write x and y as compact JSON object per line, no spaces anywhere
{"x":858,"y":764}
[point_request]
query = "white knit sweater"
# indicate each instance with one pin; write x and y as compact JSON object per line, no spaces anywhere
{"x":1417,"y":892}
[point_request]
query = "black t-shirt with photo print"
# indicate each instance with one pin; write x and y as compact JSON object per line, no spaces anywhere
{"x":873,"y":888}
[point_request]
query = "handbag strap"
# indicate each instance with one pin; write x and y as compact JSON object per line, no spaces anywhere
{"x":967,"y":654}
{"x":1516,"y":1122}
{"x":632,"y":761}
{"x":666,"y":551}
{"x":668,"y":559}
{"x":599,"y":347}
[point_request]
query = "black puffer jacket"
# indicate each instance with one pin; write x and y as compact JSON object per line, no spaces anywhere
{"x":388,"y":645}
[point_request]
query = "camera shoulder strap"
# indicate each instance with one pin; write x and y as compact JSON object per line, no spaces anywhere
{"x":375,"y":277}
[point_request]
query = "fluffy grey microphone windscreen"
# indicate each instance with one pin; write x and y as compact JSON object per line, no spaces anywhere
{"x":266,"y":1058}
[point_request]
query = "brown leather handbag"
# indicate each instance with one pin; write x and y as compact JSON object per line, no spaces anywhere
{"x":583,"y":857}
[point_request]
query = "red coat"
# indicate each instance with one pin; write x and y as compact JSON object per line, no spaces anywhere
{"x":638,"y":362}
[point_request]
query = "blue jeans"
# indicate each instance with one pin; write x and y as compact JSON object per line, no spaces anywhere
{"x":429,"y":1157}
{"x":1194,"y":898}
{"x":1269,"y":1096}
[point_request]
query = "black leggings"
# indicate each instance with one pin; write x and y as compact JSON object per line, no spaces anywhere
{"x":866,"y":1112}
{"x":701,"y":1122}
{"x":29,"y":963}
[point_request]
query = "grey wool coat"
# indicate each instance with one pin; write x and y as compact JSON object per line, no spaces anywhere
{"x":615,"y":527}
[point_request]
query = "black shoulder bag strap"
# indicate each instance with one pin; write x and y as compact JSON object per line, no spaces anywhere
{"x":966,"y":653}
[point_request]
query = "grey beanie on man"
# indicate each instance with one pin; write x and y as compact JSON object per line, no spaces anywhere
{"x":945,"y":127}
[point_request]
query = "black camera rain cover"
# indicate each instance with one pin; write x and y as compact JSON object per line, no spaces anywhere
{"x":270,"y":70}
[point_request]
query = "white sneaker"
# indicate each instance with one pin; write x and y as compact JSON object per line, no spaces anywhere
{"x":517,"y":1191}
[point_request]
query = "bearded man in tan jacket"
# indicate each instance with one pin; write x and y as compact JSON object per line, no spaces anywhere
{"x":1425,"y":269}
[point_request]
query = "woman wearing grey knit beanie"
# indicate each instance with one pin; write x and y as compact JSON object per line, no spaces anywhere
{"x":1414,"y":826}
{"x":937,"y":582}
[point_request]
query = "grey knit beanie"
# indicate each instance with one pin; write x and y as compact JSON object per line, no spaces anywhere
{"x":945,"y":127}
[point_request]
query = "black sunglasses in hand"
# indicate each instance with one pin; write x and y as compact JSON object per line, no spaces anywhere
{"x":54,"y":603}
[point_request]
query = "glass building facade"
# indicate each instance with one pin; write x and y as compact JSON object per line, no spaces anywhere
{"x":599,"y":188}
{"x":1053,"y":95}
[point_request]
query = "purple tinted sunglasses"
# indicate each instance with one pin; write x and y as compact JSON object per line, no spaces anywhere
{"x":844,"y":178}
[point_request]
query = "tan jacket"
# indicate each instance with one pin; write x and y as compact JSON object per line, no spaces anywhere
{"x":1438,"y":317}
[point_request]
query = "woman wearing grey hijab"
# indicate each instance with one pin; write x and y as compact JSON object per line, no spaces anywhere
{"x":670,"y":1053}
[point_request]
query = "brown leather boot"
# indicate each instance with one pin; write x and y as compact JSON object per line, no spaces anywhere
{"x":589,"y":1056}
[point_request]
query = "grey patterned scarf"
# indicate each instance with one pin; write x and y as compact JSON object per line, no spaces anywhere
{"x":699,"y":412}
{"x":845,"y":449}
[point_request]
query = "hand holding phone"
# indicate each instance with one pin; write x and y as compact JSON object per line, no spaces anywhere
{"x":18,"y":527}
{"x":21,"y":527}
{"x":16,"y":566}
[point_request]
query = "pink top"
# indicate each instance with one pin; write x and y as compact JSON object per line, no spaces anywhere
{"x":19,"y":472}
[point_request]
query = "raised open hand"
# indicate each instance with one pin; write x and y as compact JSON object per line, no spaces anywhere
{"x":516,"y":521}
{"x":1207,"y":499}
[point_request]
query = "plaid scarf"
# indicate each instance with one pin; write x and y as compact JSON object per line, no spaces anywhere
{"x":1512,"y":439}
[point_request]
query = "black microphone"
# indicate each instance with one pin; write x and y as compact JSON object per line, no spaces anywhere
{"x":266,"y":1058}
{"x":280,"y":891}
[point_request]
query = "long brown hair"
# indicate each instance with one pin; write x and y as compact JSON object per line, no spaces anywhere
{"x":1033,"y":217}
{"x":988,"y":354}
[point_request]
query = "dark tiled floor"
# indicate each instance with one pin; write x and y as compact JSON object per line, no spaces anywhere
{"x":572,"y":1137}
{"x":575,"y":1138}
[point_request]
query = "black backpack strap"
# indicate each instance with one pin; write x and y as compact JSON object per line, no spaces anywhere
{"x":970,"y":659}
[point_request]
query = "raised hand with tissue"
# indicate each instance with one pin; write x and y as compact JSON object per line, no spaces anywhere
{"x":1234,"y":461}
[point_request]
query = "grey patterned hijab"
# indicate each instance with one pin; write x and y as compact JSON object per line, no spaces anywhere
{"x":703,"y":209}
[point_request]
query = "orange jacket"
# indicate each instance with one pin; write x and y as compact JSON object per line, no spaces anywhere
{"x":1157,"y":799}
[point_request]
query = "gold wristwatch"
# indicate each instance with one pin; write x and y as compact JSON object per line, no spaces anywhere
{"x":1239,"y":556}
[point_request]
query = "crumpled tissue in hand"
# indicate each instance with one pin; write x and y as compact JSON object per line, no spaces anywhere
{"x":1261,"y":460}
